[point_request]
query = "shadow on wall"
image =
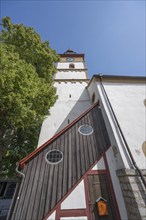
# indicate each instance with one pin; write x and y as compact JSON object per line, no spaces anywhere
{"x":82,"y":104}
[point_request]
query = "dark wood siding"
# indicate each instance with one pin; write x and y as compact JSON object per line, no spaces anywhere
{"x":44,"y":184}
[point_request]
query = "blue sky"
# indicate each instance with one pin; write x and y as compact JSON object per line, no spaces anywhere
{"x":110,"y":33}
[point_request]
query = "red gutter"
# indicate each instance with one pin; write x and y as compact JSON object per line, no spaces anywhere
{"x":28,"y":157}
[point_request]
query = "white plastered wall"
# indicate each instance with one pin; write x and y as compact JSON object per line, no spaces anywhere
{"x":65,"y":65}
{"x":127,"y":101}
{"x":92,"y":89}
{"x":120,"y":158}
{"x":52,"y":216}
{"x":76,"y":199}
{"x":71,"y":75}
{"x":66,"y":108}
{"x":100,"y":165}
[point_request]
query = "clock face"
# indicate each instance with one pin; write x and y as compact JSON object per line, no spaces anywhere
{"x":70,"y":59}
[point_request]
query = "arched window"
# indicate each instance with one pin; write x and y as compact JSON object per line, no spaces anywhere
{"x":93,"y":98}
{"x":71,"y":66}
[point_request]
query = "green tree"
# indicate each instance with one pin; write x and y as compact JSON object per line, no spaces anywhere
{"x":26,"y":91}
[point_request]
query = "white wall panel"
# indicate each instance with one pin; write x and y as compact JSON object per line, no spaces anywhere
{"x":76,"y":200}
{"x":100,"y":165}
{"x":128,"y":103}
{"x":52,"y":216}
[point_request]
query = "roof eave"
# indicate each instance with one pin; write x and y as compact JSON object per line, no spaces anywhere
{"x":117,"y":79}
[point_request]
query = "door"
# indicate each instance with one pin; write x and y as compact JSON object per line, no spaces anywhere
{"x":99,"y":187}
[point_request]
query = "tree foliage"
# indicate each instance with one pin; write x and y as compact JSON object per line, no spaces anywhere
{"x":26,"y":91}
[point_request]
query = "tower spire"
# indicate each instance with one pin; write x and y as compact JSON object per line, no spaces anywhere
{"x":69,"y":51}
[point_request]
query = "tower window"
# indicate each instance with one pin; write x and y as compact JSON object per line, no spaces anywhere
{"x":69,"y":95}
{"x":71,"y":66}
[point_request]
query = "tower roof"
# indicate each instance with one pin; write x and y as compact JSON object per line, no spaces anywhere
{"x":69,"y":51}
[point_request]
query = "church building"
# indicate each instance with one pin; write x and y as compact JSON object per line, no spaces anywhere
{"x":90,"y":160}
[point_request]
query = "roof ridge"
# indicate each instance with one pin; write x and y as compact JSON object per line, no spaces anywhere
{"x":36,"y":151}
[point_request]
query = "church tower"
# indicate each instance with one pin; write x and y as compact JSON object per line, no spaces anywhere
{"x":89,"y":163}
{"x":71,"y":81}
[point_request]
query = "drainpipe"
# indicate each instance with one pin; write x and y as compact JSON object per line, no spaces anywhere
{"x":15,"y":196}
{"x":121,"y":133}
{"x":20,"y":173}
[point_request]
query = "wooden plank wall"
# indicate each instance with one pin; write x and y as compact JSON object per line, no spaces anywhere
{"x":44,"y":184}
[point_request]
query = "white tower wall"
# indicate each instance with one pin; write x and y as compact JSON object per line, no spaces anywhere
{"x":71,"y":75}
{"x":65,"y":65}
{"x":66,"y":108}
{"x":73,"y":98}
